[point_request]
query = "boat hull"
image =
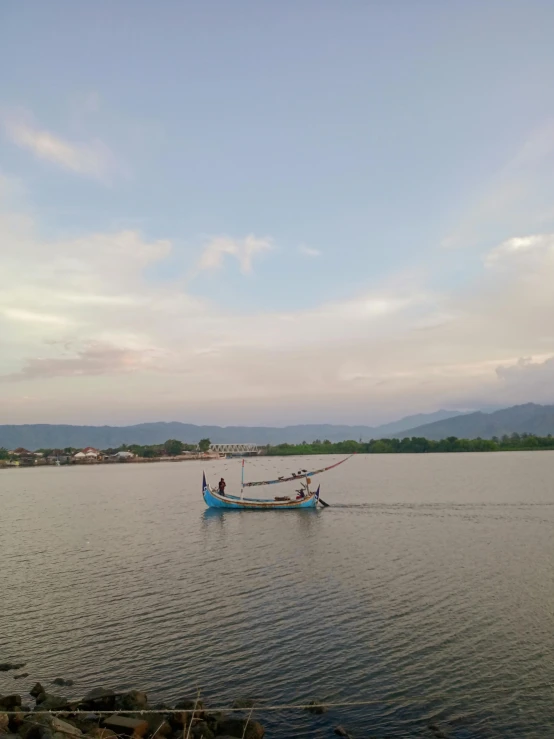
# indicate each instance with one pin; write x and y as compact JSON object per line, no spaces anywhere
{"x":231,"y":502}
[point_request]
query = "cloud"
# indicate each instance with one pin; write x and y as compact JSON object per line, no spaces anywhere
{"x":92,"y":159}
{"x":517,"y":197}
{"x":520,"y":246}
{"x":33,"y":317}
{"x":527,"y":367}
{"x":528,"y":375}
{"x":90,"y":291}
{"x":95,"y":359}
{"x":243,"y":250}
{"x":91,"y":335}
{"x":309,"y":251}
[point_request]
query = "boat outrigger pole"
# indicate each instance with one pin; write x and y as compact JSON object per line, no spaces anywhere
{"x":242,"y":480}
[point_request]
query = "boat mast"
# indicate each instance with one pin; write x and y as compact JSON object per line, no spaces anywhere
{"x":242,"y":480}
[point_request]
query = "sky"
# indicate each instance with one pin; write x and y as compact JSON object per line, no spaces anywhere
{"x":274,"y":213}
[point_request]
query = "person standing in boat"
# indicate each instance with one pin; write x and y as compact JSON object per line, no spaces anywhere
{"x":222,"y":486}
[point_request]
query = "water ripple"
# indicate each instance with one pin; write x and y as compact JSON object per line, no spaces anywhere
{"x":427,"y":588}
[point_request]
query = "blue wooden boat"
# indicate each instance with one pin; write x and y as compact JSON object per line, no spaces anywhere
{"x":214,"y":499}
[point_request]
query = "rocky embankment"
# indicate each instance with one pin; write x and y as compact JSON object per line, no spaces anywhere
{"x":103,"y":714}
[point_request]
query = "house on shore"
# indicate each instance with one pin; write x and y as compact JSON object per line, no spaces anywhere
{"x":23,"y":456}
{"x":89,"y":454}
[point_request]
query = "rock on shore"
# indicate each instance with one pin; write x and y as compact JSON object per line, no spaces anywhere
{"x":82,"y":719}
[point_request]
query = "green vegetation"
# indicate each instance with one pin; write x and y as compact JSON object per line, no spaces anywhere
{"x":173,"y":447}
{"x":413,"y":445}
{"x":148,"y":452}
{"x":170,"y":448}
{"x":417,"y":445}
{"x":204,"y":445}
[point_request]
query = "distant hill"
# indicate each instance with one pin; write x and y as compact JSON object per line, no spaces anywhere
{"x":46,"y":436}
{"x":412,"y":421}
{"x":529,"y":418}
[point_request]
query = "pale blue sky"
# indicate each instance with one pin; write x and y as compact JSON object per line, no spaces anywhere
{"x":374,"y":151}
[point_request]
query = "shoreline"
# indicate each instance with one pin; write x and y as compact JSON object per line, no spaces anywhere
{"x":146,"y":460}
{"x":110,"y":463}
{"x":106,"y":714}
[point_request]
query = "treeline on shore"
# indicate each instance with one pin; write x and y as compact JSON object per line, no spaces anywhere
{"x":171,"y":448}
{"x":416,"y":445}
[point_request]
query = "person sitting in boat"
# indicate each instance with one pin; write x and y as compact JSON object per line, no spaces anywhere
{"x":301,"y":493}
{"x":221,"y":487}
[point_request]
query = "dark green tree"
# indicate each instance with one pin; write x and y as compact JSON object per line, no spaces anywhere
{"x":204,"y":445}
{"x":380,"y":447}
{"x":173,"y":447}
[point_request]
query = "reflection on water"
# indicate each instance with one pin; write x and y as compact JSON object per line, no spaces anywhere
{"x":302,"y":518}
{"x":426,"y":588}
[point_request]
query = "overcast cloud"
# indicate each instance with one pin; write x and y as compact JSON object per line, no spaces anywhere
{"x":81,"y":309}
{"x":300,"y":240}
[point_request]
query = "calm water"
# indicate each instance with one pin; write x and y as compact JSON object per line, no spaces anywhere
{"x":428,"y":588}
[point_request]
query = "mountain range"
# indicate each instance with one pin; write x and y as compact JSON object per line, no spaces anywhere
{"x":50,"y":436}
{"x":528,"y":418}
